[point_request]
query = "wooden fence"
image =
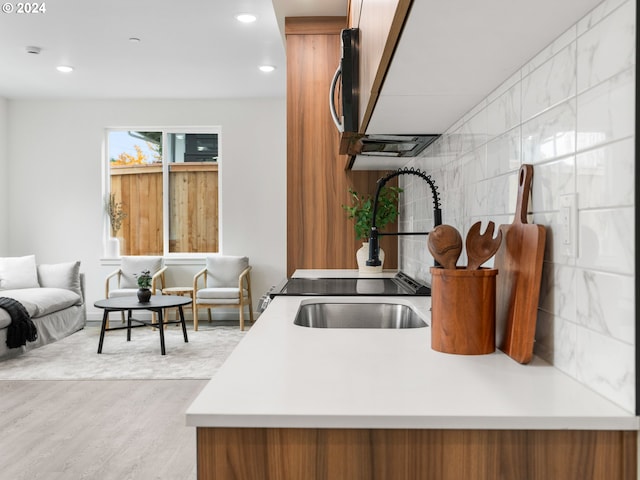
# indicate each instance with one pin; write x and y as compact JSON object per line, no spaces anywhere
{"x":193,"y":207}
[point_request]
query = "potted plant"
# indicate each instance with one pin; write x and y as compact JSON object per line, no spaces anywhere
{"x":144,"y":285}
{"x":361,"y":211}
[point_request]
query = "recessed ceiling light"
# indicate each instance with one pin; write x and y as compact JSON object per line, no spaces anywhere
{"x":33,"y":50}
{"x":134,"y":39}
{"x":64,"y":68}
{"x":267,"y":68}
{"x":246,"y":18}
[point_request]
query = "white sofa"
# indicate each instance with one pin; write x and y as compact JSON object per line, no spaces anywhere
{"x":52,"y":294}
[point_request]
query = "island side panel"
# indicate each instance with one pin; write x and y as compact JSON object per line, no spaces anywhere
{"x":401,"y":454}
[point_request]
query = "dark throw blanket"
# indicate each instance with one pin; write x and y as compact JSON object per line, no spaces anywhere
{"x":21,"y":329}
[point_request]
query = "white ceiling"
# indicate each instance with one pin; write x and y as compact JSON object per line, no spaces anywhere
{"x":188,"y":48}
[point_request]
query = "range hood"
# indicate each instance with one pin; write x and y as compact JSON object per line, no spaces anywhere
{"x":378,"y":150}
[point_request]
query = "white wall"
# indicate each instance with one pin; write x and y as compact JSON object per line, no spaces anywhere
{"x":569,"y":112}
{"x":55,"y":163}
{"x":4,"y":177}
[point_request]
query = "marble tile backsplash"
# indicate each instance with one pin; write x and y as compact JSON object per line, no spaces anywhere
{"x":569,"y":111}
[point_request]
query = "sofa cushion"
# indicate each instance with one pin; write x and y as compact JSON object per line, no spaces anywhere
{"x":123,"y":292}
{"x":61,"y":275}
{"x":18,"y":272}
{"x":42,"y":301}
{"x":221,"y":292}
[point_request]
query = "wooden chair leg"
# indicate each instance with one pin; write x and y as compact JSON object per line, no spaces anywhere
{"x":241,"y":316}
{"x":209,"y":311}
{"x":195,"y":316}
{"x":249,"y":299}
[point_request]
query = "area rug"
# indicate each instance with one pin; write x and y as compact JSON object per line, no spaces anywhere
{"x":76,"y":357}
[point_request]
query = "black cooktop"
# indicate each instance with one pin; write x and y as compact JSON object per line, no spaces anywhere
{"x":399,"y":285}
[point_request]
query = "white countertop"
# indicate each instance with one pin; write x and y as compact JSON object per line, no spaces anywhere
{"x":337,"y":273}
{"x":283,"y":375}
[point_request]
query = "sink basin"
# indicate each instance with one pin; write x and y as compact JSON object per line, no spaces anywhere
{"x":357,"y":315}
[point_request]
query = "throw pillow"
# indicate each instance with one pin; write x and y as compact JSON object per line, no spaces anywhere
{"x":61,"y":275}
{"x":18,"y":272}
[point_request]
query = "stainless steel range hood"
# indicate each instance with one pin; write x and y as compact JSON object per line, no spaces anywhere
{"x":395,"y":145}
{"x":387,"y":150}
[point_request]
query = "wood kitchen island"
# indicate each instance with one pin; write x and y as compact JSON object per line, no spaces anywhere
{"x":294,"y":402}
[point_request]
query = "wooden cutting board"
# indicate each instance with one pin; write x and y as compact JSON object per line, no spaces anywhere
{"x":519,"y":264}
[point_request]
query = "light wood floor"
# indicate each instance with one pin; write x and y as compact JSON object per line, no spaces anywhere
{"x":109,"y":429}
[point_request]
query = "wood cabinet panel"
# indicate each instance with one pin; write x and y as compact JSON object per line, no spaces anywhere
{"x":353,"y":13}
{"x":363,"y":454}
{"x":319,"y":235}
{"x":380,"y":26}
{"x":313,"y":26}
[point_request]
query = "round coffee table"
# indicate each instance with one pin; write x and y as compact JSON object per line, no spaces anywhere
{"x":156,"y":304}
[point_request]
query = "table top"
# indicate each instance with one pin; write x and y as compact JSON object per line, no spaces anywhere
{"x":131,"y":302}
{"x":177,"y":290}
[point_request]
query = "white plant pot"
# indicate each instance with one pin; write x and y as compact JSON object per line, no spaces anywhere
{"x":113,"y":247}
{"x":362,"y":255}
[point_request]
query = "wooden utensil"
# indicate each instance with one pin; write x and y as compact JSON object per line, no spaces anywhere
{"x":445,"y":244}
{"x":519,"y":264}
{"x":481,"y":247}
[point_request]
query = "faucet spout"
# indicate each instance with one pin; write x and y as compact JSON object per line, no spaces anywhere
{"x":374,"y":248}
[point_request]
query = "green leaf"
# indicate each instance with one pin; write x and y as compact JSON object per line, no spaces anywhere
{"x":361,"y":210}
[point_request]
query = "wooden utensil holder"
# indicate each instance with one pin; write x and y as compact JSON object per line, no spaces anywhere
{"x":463,"y":310}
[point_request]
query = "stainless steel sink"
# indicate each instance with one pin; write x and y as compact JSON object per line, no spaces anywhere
{"x":357,"y":315}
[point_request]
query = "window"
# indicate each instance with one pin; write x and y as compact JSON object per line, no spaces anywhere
{"x":162,"y":190}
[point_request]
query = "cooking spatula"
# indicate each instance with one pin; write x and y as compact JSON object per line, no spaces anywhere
{"x":481,"y":246}
{"x":445,"y":245}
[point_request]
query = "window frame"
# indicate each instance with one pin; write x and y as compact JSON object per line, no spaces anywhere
{"x":166,"y":131}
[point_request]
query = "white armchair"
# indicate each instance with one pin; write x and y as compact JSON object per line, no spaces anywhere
{"x":126,"y":276}
{"x":224,"y":282}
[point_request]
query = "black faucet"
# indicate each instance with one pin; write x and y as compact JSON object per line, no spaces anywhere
{"x":374,"y":249}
